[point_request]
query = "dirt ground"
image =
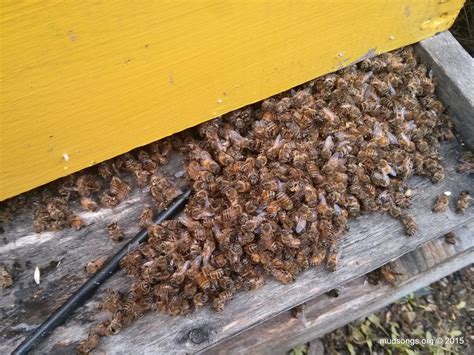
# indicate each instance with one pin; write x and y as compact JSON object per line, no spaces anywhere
{"x":444,"y":309}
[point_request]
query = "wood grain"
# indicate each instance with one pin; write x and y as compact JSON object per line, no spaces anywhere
{"x":432,"y":261}
{"x":372,"y":241}
{"x":453,"y":68}
{"x":83,"y":81}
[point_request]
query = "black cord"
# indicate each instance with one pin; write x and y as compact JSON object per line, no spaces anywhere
{"x":86,"y":290}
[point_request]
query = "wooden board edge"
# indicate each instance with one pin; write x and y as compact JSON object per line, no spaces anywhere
{"x":454,"y":69}
{"x":323,"y":314}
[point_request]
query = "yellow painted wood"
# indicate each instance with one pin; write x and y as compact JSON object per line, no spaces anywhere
{"x":83,"y":81}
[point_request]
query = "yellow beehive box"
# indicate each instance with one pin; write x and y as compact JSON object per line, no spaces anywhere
{"x":83,"y":81}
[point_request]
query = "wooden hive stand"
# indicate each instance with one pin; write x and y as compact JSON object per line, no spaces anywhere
{"x":257,"y":321}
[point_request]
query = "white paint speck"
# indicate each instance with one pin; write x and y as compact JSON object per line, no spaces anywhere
{"x":219,"y":101}
{"x":447,"y":193}
{"x":36,"y":275}
{"x":66,"y":157}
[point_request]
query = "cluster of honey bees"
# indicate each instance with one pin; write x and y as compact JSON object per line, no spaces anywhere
{"x":104,"y":186}
{"x":275,"y":183}
{"x":55,"y":215}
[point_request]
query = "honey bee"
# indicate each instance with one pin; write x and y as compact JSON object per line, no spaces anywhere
{"x":89,"y":344}
{"x":231,"y":214}
{"x":219,"y":302}
{"x":105,"y":170}
{"x":148,"y":164}
{"x":115,"y":232}
{"x":332,"y":256}
{"x":87,"y":185}
{"x":380,"y":179}
{"x":314,"y":172}
{"x":146,"y":218}
{"x":242,"y":186}
{"x":224,"y":159}
{"x":200,"y":299}
{"x":311,"y":196}
{"x":203,"y":282}
{"x":142,"y":177}
{"x":290,"y":241}
{"x":463,"y":202}
{"x":119,"y":189}
{"x":178,"y":277}
{"x":328,"y":147}
{"x":128,"y":163}
{"x":284,"y":200}
{"x":409,"y":224}
{"x":330,"y":81}
{"x":353,"y":206}
{"x":216,"y":274}
{"x":333,"y":163}
{"x":317,"y":257}
{"x":351,"y":110}
{"x":219,"y":260}
{"x":441,"y":203}
{"x":6,"y":279}
{"x":466,"y":163}
{"x":325,"y":228}
{"x":102,"y":329}
{"x":115,"y":325}
{"x":95,"y":265}
{"x":388,"y":274}
{"x":282,"y":276}
{"x":208,"y":163}
{"x":298,"y":312}
{"x":89,"y":204}
{"x":271,"y":128}
{"x":75,"y":221}
{"x":450,"y":238}
{"x":109,"y":201}
{"x":261,"y":161}
{"x":367,"y":154}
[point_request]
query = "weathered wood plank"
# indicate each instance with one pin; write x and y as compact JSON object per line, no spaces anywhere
{"x":372,"y":241}
{"x":356,"y":299}
{"x":454,"y":69}
{"x":83,"y":81}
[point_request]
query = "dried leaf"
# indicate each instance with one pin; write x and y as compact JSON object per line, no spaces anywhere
{"x":369,"y":344}
{"x":375,"y":320}
{"x":299,"y":350}
{"x":350,"y":348}
{"x":409,"y":316}
{"x":455,"y":333}
{"x":366,"y":330}
{"x":461,"y":305}
{"x":357,"y":335}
